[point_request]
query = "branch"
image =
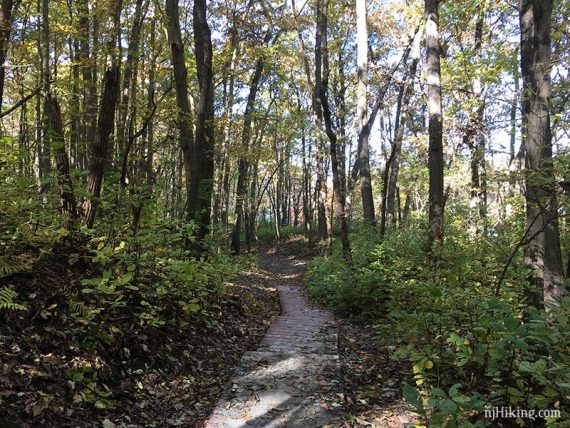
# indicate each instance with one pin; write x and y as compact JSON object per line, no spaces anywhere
{"x":19,"y":103}
{"x":132,"y":138}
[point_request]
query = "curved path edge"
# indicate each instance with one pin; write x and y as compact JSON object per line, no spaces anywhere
{"x":290,"y":380}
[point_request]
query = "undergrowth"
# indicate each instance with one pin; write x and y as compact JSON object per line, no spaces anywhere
{"x":469,"y":350}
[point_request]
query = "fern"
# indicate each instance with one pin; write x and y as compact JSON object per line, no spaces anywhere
{"x":78,"y":309}
{"x":12,"y":265}
{"x":7,"y":296}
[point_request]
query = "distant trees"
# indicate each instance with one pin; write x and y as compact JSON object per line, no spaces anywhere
{"x":315,"y":115}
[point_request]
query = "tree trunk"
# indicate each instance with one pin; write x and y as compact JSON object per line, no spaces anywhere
{"x":6,"y":10}
{"x":221,"y":199}
{"x":186,"y":136}
{"x":435,"y":157}
{"x":45,"y":159}
{"x":401,"y":125}
{"x":149,"y":135}
{"x":542,"y":252}
{"x":54,"y":121}
{"x":338,"y":196}
{"x":475,"y":136}
{"x":128,"y":86}
{"x":202,"y":167}
{"x":362,"y":113}
{"x":241,"y":191}
{"x":323,"y":221}
{"x":89,"y":87}
{"x":100,"y":147}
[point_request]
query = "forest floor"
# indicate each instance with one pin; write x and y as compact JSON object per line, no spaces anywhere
{"x":175,"y":377}
{"x":156,"y":376}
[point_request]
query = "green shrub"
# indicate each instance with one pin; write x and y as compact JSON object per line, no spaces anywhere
{"x":355,"y":290}
{"x":467,"y":349}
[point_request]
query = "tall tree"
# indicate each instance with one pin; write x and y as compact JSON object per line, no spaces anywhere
{"x":392,"y":170}
{"x":542,"y":251}
{"x":202,"y":168}
{"x":321,"y":188}
{"x":129,"y":79}
{"x":475,"y":136}
{"x":241,"y":191}
{"x":338,"y":196}
{"x":435,"y":156}
{"x":186,"y":136}
{"x":7,"y":8}
{"x":362,"y":113}
{"x":99,"y":148}
{"x":88,"y":67}
{"x":45,"y":153}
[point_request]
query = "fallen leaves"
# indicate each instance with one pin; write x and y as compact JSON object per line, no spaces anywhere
{"x":157,"y":377}
{"x":372,"y":380}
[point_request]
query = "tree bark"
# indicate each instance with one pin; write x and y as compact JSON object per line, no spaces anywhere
{"x":542,"y":253}
{"x":435,"y":156}
{"x":6,"y":10}
{"x":338,"y":196}
{"x":202,"y":167}
{"x":241,"y":191}
{"x":389,"y":217}
{"x":221,"y":199}
{"x":129,"y":87}
{"x":362,"y":112}
{"x":186,"y":136}
{"x":323,"y":220}
{"x":45,"y":159}
{"x":89,"y":126}
{"x":475,"y":136}
{"x":54,"y":121}
{"x":100,"y":147}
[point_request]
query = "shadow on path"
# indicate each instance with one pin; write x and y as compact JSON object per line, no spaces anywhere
{"x":291,"y":379}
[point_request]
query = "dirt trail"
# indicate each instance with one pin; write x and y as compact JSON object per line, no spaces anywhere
{"x":290,"y":380}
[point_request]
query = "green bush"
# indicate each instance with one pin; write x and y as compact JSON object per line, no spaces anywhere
{"x":355,"y":290}
{"x":467,"y":349}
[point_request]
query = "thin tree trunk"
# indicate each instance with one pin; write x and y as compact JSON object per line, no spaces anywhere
{"x":323,"y":220}
{"x":475,"y":137}
{"x":401,"y":124}
{"x":338,"y":197}
{"x":54,"y":121}
{"x":46,"y":85}
{"x":241,"y":191}
{"x":221,"y":199}
{"x":129,"y":71}
{"x":150,"y":102}
{"x":514,"y":165}
{"x":7,"y":7}
{"x":89,"y":87}
{"x":435,"y":157}
{"x":99,"y":149}
{"x":362,"y":113}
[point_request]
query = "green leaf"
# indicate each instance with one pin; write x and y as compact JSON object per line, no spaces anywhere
{"x":412,"y":396}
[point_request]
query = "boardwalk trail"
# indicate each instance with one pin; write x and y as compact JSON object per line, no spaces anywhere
{"x":290,"y":380}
